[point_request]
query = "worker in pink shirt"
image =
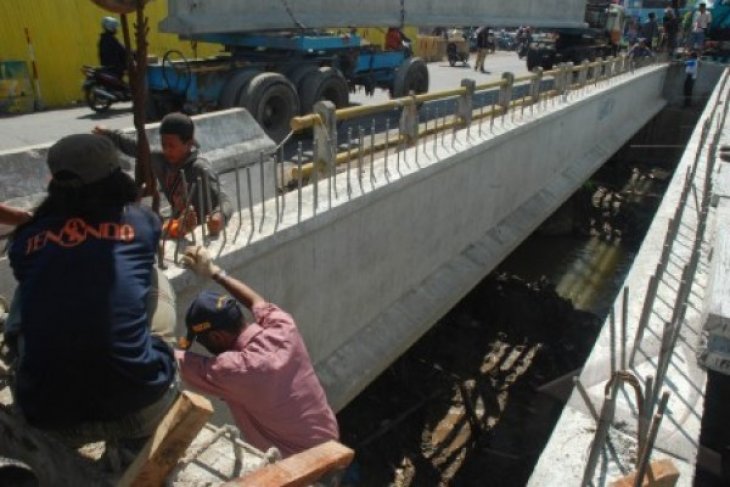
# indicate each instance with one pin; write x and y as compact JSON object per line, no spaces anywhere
{"x":260,"y":369}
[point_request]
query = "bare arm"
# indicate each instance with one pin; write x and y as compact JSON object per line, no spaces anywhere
{"x":13,"y":216}
{"x":197,"y":259}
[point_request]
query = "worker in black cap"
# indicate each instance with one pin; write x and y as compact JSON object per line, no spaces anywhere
{"x":94,"y":318}
{"x":180,"y":162}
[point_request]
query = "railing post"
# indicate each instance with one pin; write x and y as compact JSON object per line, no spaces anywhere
{"x":535,"y":85}
{"x":583,"y":74}
{"x":566,"y":78}
{"x":505,"y":91}
{"x":466,"y":101}
{"x":608,"y":67}
{"x":325,"y":136}
{"x":409,"y":121}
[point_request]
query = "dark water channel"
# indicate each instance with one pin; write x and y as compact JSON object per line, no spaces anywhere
{"x":465,"y":406}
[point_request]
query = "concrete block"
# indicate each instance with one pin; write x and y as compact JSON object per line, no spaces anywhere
{"x":227,"y":138}
{"x":721,"y":188}
{"x":662,"y":473}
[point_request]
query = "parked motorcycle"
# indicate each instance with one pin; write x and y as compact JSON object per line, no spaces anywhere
{"x":102,"y":88}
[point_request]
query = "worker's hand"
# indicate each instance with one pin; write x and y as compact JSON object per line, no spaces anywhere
{"x":100,"y":130}
{"x":198,"y":260}
{"x":215,"y":223}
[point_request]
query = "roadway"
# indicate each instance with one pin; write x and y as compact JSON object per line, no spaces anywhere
{"x":42,"y":127}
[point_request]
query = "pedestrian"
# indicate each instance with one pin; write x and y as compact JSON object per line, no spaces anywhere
{"x":650,"y":31}
{"x":700,"y":23}
{"x":94,"y":320}
{"x":260,"y":369}
{"x":177,"y":163}
{"x":112,"y":54}
{"x":670,"y":22}
{"x":691,"y":66}
{"x":482,"y":48}
{"x":640,"y":50}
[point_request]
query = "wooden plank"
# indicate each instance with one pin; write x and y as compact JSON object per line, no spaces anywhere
{"x":661,"y":473}
{"x":172,"y":437}
{"x":299,"y":470}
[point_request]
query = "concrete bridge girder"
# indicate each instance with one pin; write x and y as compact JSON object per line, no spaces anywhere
{"x":368,"y":277}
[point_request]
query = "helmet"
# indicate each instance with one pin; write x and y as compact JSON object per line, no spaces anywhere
{"x":109,"y":24}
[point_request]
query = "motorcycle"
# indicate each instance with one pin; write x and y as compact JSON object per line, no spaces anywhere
{"x":102,"y":88}
{"x":454,"y":55}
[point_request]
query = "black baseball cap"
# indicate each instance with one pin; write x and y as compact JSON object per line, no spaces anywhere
{"x":88,"y":157}
{"x":210,"y":311}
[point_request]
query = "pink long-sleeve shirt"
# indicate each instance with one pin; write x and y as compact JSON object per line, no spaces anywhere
{"x":269,"y":384}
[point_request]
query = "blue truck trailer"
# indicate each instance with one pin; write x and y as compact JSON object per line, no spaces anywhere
{"x":279,"y":75}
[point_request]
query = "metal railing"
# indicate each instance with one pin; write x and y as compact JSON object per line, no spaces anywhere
{"x":355,"y":150}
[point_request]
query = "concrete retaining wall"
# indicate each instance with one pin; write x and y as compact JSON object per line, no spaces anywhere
{"x":368,"y":277}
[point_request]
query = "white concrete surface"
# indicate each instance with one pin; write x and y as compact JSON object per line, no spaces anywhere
{"x":367,"y":277}
{"x":564,"y":459}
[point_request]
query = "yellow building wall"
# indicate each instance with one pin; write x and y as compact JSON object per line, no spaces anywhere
{"x":64,"y":34}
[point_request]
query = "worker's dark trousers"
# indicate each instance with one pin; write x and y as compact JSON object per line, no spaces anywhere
{"x":689,"y":83}
{"x":715,"y":431}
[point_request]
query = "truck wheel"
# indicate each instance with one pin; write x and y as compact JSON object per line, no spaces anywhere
{"x":533,"y":59}
{"x":411,"y":78}
{"x":297,"y":75}
{"x":272,"y":101}
{"x":324,"y":84}
{"x":231,"y":91}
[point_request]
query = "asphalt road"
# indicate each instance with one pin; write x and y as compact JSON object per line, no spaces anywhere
{"x":48,"y":126}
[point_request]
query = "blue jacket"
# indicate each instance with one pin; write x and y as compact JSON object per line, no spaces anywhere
{"x":88,"y":354}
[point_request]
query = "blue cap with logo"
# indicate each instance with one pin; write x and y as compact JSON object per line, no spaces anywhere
{"x":210,"y":311}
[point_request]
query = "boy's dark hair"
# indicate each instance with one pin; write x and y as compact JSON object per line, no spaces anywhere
{"x":178,"y":124}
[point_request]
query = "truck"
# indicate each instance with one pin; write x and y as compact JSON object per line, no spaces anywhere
{"x":280,"y":57}
{"x":600,"y":37}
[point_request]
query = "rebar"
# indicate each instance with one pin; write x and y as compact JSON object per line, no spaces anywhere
{"x":349,"y":158}
{"x":624,"y":326}
{"x":315,"y":172}
{"x":299,"y":182}
{"x":263,"y":191}
{"x":360,"y":148}
{"x":586,"y":398}
{"x":201,"y":210}
{"x":645,"y":454}
{"x":249,"y":190}
{"x":238,"y":197}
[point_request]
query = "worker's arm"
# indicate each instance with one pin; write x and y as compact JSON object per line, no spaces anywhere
{"x":13,"y":216}
{"x":222,"y":208}
{"x":198,"y":259}
{"x":124,"y":143}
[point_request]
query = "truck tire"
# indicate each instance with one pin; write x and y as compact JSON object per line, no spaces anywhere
{"x":297,"y":75}
{"x":272,"y":100}
{"x":231,"y":91}
{"x":324,"y":84}
{"x":411,"y":78}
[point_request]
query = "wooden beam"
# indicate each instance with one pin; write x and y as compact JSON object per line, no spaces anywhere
{"x":299,"y":470}
{"x":173,"y":435}
{"x":661,"y":473}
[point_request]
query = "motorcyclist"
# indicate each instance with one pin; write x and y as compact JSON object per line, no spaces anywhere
{"x":112,"y":54}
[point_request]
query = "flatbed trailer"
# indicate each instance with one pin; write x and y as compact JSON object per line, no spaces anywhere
{"x":277,"y":76}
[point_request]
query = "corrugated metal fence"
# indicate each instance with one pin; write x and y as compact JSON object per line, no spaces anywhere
{"x":64,"y":35}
